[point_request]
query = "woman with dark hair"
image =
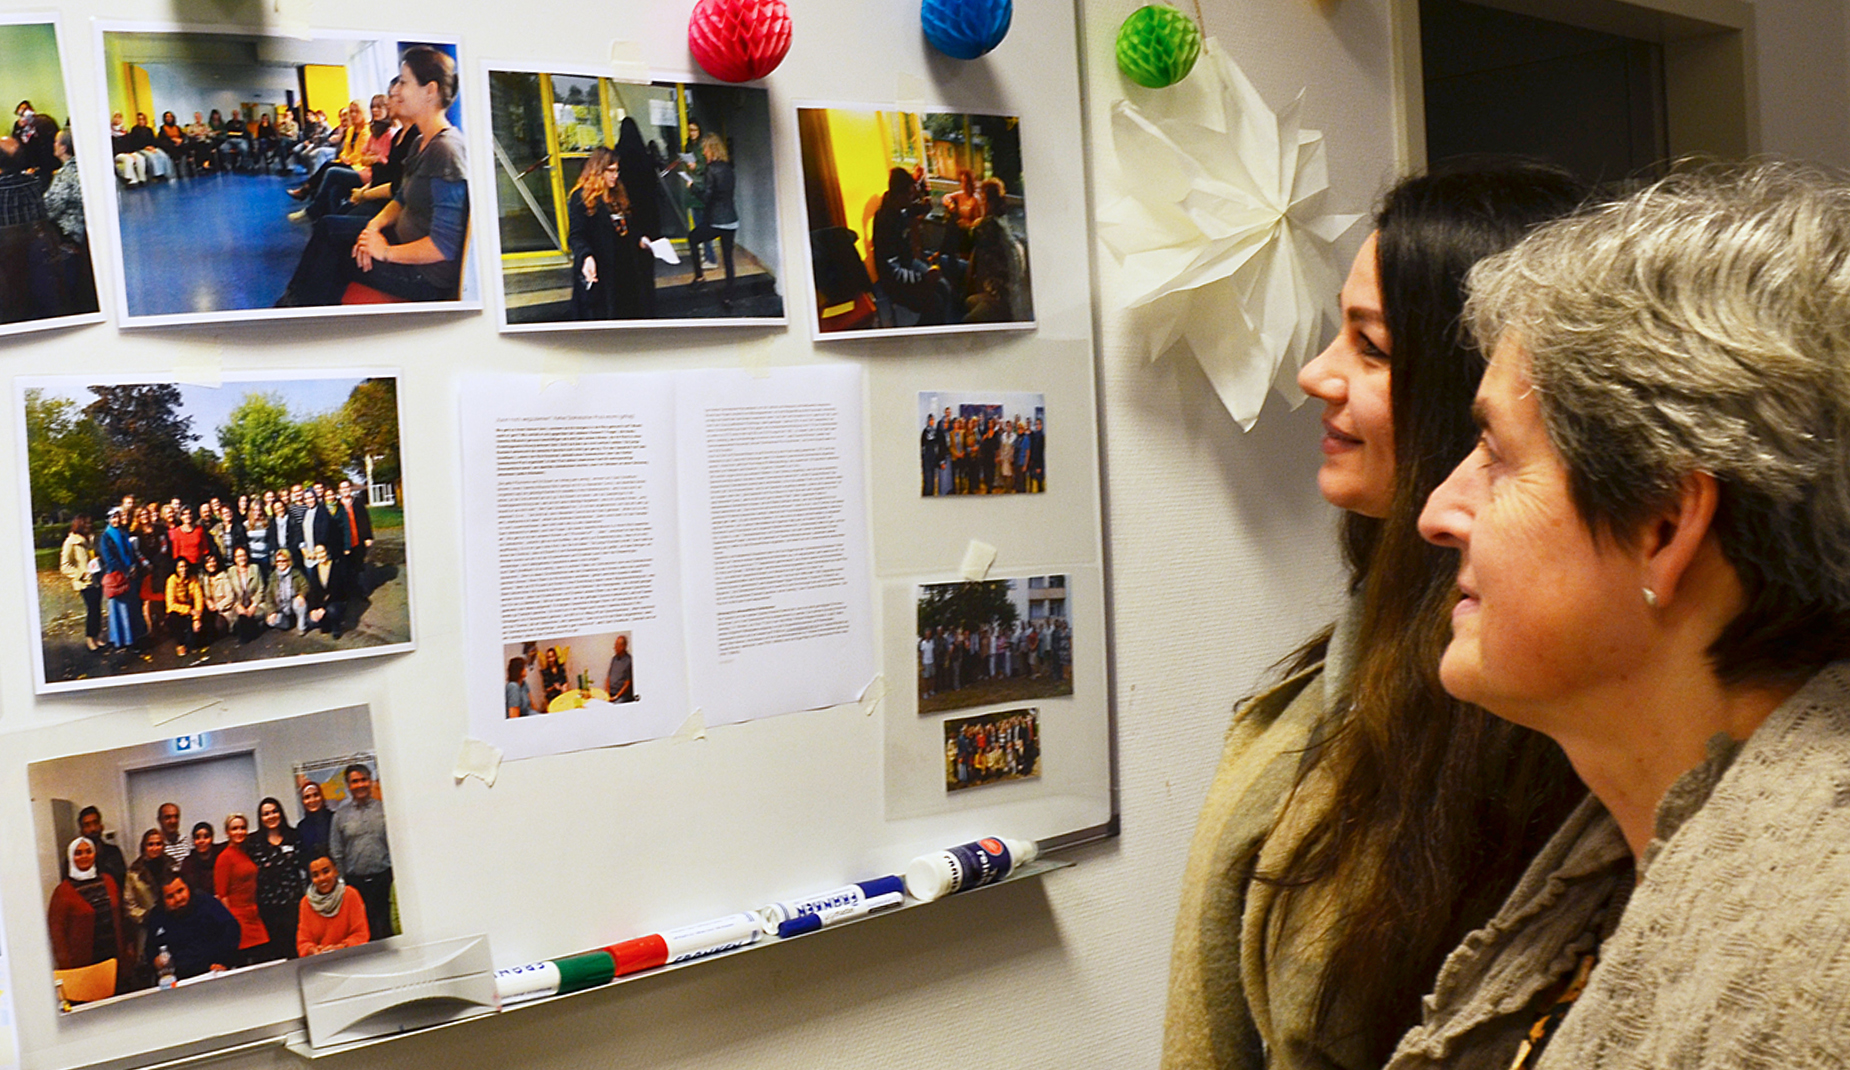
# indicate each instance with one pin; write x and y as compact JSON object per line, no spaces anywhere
{"x":141,"y":893}
{"x":1361,"y":822}
{"x":648,"y":216}
{"x":234,"y":882}
{"x":171,"y":140}
{"x":413,"y":248}
{"x":317,"y":817}
{"x":609,"y":256}
{"x":78,"y":562}
{"x":281,"y":875}
{"x":519,"y":695}
{"x":199,"y":867}
{"x":186,"y":608}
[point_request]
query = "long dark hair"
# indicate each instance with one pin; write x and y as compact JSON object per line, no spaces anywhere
{"x":1436,"y":807}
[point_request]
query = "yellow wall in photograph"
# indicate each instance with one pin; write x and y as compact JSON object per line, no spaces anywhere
{"x":29,"y":70}
{"x":325,"y":88}
{"x":860,"y":164}
{"x":141,"y":96}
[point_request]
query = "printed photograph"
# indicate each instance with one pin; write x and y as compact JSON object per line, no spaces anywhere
{"x":181,"y":530}
{"x":917,"y":222}
{"x":987,"y":642}
{"x":626,"y":205}
{"x":972,"y":442}
{"x":256,"y":173}
{"x":46,"y":277}
{"x":991,"y":748}
{"x":554,"y":675}
{"x":203,"y":857}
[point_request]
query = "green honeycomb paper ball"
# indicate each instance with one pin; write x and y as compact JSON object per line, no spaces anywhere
{"x":1158,"y":46}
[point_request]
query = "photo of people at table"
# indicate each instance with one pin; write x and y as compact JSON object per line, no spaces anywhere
{"x":991,"y":748}
{"x":555,"y":675}
{"x":621,"y":204}
{"x":187,"y":529}
{"x":984,"y":642}
{"x":976,"y":442}
{"x":257,"y":172}
{"x":191,"y":858}
{"x":45,"y":269}
{"x":915,"y":220}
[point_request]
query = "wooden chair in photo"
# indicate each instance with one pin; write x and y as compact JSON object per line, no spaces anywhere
{"x":87,"y":984}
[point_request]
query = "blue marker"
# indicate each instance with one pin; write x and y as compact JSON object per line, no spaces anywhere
{"x":835,"y":899}
{"x":809,"y":923}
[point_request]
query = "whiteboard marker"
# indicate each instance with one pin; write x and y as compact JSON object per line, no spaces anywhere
{"x":822,"y":919}
{"x":689,"y":942}
{"x":554,"y":977}
{"x":775,"y":914}
{"x":967,"y":866}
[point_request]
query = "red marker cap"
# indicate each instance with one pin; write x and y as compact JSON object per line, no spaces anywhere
{"x":642,"y":953}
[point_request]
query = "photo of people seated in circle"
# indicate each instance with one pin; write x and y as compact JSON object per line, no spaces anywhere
{"x":625,"y":205}
{"x":991,"y":748}
{"x":917,"y":222}
{"x":581,"y":672}
{"x":46,"y":276}
{"x":202,"y":857}
{"x":258,"y":173}
{"x":984,"y":642}
{"x":981,"y":442}
{"x":181,"y":530}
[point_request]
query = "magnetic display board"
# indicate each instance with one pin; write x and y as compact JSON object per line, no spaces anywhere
{"x":991,"y":563}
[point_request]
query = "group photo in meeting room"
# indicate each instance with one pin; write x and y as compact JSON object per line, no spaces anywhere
{"x":45,"y":269}
{"x":289,"y":173}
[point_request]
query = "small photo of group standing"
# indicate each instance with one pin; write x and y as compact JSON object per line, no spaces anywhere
{"x":192,"y":859}
{"x":46,"y":275}
{"x":991,"y":748}
{"x":917,"y":221}
{"x":624,"y":204}
{"x":259,"y":173}
{"x":986,"y":642}
{"x":975,"y":442}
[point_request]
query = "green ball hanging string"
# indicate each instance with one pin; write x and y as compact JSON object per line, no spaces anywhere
{"x":1158,"y":46}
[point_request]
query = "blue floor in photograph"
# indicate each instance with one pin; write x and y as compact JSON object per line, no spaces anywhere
{"x":211,"y":243}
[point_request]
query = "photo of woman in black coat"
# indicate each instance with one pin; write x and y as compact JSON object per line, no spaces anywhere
{"x":612,"y":267}
{"x":720,"y":216}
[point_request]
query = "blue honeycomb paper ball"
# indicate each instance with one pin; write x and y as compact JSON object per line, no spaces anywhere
{"x":966,"y":29}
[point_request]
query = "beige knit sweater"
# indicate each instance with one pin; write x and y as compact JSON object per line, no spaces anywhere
{"x":1733,"y":952}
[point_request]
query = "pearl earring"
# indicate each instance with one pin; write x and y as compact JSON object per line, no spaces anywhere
{"x":1650,"y":598}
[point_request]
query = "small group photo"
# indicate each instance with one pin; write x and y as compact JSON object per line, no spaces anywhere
{"x":624,"y":204}
{"x":977,"y":442}
{"x":260,"y":173}
{"x":181,"y":530}
{"x":991,"y":748}
{"x":195,"y":858}
{"x":984,"y":642}
{"x":917,"y":221}
{"x":46,"y":275}
{"x":555,"y":675}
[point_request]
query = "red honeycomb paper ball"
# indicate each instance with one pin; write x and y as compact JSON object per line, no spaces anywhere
{"x":739,"y":40}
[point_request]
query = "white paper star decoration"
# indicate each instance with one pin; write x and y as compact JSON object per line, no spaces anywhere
{"x":1221,"y":232}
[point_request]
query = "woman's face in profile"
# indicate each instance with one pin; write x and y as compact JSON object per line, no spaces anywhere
{"x":1352,"y":378}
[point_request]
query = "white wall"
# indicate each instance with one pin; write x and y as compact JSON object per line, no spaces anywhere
{"x":1222,"y":560}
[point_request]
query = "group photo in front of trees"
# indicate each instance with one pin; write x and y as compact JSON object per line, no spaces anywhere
{"x":184,"y":529}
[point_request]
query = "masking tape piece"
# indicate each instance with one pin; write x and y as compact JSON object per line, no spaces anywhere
{"x":977,"y":560}
{"x":627,"y":63}
{"x":873,"y":694}
{"x":479,"y":760}
{"x":695,"y":727}
{"x":173,"y":711}
{"x":204,"y":368}
{"x":290,"y":18}
{"x":561,"y":366}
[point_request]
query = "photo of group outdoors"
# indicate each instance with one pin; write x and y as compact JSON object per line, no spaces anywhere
{"x":916,"y":221}
{"x":191,"y":859}
{"x":46,"y":277}
{"x":975,"y":442}
{"x":622,"y":204}
{"x":258,"y":173}
{"x":183,"y":530}
{"x":554,"y":675}
{"x":991,"y":748}
{"x":985,"y":642}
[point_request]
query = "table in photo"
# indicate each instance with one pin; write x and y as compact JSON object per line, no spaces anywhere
{"x":576,"y":698}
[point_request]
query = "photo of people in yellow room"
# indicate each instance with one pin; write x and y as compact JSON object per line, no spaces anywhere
{"x":256,"y":173}
{"x":46,"y":276}
{"x":917,"y":221}
{"x":555,"y":675}
{"x":623,"y":204}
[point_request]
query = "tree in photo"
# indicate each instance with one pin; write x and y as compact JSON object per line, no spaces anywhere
{"x":146,"y":450}
{"x":64,"y":457}
{"x":369,"y":421}
{"x":264,"y":447}
{"x":966,"y":605}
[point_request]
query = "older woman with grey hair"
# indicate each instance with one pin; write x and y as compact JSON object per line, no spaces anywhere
{"x":1655,"y":572}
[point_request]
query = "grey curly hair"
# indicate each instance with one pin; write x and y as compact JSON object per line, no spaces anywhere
{"x":1703,"y":324}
